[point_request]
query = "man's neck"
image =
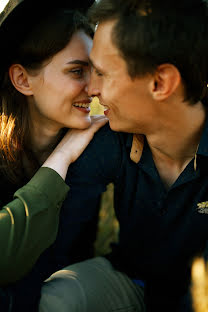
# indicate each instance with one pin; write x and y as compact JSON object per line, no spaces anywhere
{"x":176,"y":143}
{"x":178,"y":138}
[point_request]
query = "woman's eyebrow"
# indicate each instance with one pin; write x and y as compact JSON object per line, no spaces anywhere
{"x":80,"y":62}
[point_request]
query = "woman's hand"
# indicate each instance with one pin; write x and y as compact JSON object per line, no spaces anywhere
{"x":72,"y":145}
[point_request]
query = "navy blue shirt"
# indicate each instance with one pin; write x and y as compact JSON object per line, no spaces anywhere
{"x":161,"y":230}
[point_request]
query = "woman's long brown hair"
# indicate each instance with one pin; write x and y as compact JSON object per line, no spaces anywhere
{"x":46,"y":36}
{"x":13,"y":131}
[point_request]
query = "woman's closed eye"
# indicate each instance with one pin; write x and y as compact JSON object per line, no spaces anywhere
{"x":77,"y":72}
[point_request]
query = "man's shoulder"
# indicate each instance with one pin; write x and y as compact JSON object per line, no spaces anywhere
{"x":102,"y":157}
{"x":104,"y":142}
{"x":106,"y":135}
{"x":105,"y":131}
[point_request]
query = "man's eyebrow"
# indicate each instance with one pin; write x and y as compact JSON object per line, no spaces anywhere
{"x":79,"y":62}
{"x":95,"y":66}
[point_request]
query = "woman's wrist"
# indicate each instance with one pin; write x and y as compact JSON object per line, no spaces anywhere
{"x":58,"y":162}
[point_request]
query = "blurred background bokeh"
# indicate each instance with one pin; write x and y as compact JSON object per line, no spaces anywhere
{"x":200,"y":285}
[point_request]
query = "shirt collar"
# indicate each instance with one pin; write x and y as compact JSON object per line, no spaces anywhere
{"x":137,"y":144}
{"x":137,"y":147}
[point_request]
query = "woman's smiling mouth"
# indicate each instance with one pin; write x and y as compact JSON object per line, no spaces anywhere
{"x":83,"y":107}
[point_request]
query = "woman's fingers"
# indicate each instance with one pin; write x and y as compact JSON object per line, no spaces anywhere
{"x":97,"y":122}
{"x":98,"y":117}
{"x":79,"y":139}
{"x":75,"y":141}
{"x":72,"y":145}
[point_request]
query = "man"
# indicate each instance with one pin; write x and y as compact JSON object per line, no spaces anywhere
{"x":149,"y":61}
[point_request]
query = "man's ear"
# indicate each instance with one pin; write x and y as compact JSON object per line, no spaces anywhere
{"x":20,"y":79}
{"x":167,"y":79}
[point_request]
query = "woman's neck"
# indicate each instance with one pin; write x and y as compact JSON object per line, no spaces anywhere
{"x":44,"y":133}
{"x":43,"y":141}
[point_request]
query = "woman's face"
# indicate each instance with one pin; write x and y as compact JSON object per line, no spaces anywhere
{"x":60,"y":96}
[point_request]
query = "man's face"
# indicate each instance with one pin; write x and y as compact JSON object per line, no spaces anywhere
{"x":128,"y":101}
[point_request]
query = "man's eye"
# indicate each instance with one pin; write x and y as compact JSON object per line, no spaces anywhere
{"x":99,"y":74}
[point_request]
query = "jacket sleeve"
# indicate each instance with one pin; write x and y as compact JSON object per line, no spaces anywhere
{"x":29,"y":224}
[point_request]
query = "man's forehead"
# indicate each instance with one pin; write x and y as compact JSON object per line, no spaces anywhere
{"x":103,"y":36}
{"x":103,"y":49}
{"x":106,"y":26}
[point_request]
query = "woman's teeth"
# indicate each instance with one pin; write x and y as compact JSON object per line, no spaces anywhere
{"x":84,"y":105}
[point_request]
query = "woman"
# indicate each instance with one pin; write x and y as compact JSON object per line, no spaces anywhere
{"x":43,"y":91}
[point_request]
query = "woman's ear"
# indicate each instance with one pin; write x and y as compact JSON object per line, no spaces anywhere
{"x":167,"y":79}
{"x":20,"y":79}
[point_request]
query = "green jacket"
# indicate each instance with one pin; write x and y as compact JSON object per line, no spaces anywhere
{"x":29,"y":223}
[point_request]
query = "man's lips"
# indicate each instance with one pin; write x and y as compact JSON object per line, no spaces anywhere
{"x":106,"y":109}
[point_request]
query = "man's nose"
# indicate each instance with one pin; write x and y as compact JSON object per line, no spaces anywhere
{"x":92,"y":87}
